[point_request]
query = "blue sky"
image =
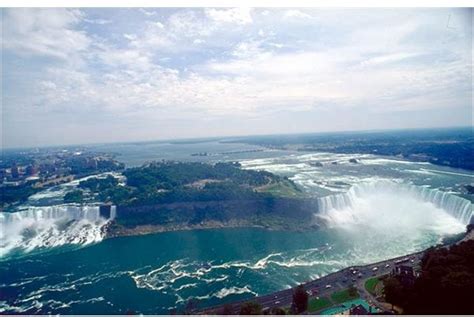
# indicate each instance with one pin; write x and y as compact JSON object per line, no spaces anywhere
{"x":98,"y":75}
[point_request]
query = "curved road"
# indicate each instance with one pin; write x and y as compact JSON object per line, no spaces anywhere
{"x":326,"y":285}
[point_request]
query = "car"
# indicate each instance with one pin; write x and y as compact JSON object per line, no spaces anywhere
{"x":387,"y":265}
{"x":275,"y":297}
{"x":359,"y":275}
{"x":328,"y":286}
{"x":375,"y":268}
{"x":277,"y":302}
{"x":354,"y":272}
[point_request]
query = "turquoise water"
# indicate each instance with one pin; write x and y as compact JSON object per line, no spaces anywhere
{"x":160,"y":273}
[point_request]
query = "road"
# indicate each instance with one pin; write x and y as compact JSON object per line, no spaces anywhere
{"x":325,"y":286}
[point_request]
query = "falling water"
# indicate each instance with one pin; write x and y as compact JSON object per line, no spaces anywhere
{"x":459,"y":208}
{"x":38,"y":228}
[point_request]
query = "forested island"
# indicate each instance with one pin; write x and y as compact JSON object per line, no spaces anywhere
{"x":169,"y":195}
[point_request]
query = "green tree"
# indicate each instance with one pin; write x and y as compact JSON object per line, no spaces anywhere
{"x":352,"y":291}
{"x":277,"y":311}
{"x":300,"y":299}
{"x":226,"y":310}
{"x":75,"y":196}
{"x":251,"y":308}
{"x":393,"y":291}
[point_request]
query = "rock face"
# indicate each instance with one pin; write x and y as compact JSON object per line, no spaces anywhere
{"x":107,"y":211}
{"x":270,"y":213}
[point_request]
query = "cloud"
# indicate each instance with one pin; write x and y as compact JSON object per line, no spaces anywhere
{"x":147,"y":13}
{"x":388,"y":58}
{"x":297,"y":14}
{"x":47,"y":32}
{"x":97,"y":21}
{"x":235,"y":15}
{"x":249,"y":68}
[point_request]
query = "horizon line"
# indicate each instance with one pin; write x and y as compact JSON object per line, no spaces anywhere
{"x":232,"y":136}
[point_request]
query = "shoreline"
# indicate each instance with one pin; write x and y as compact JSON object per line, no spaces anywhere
{"x":155,"y":229}
{"x":327,"y":280}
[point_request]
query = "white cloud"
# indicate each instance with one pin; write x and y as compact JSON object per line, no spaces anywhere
{"x":234,"y":64}
{"x":98,"y":21}
{"x":44,"y":31}
{"x":130,"y":37}
{"x":159,"y":25}
{"x":297,"y":14}
{"x":388,"y":58}
{"x":147,"y":13}
{"x":235,"y":15}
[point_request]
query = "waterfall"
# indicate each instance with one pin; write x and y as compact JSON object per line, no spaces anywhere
{"x":459,"y":208}
{"x":51,"y":226}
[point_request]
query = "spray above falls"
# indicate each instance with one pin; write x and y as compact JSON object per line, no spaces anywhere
{"x":390,"y":206}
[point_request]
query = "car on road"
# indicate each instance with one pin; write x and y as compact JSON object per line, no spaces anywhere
{"x":328,"y":286}
{"x":277,"y":302}
{"x":387,"y":265}
{"x":374,"y":269}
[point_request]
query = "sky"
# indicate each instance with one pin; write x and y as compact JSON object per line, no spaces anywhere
{"x":76,"y":76}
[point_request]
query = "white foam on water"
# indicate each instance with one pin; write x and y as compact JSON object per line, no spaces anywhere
{"x":448,"y":173}
{"x":384,"y":161}
{"x":224,"y":292}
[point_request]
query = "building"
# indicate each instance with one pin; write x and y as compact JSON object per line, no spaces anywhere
{"x":405,"y":274}
{"x":15,"y":172}
{"x":358,"y":310}
{"x":31,"y":170}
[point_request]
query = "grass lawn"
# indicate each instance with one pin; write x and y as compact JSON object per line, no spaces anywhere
{"x":283,"y":189}
{"x":342,"y":296}
{"x":316,"y":304}
{"x":370,"y":284}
